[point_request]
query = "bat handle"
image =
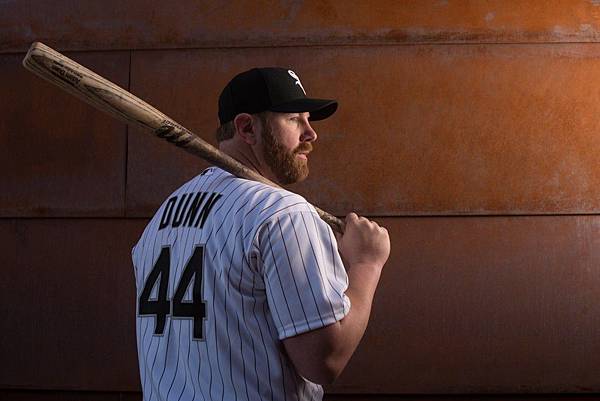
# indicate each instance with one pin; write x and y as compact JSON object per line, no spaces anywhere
{"x":336,"y":224}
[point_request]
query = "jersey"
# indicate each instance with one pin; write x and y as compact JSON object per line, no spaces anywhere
{"x":225,"y":270}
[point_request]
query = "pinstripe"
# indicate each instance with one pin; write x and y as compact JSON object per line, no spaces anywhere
{"x":176,"y":279}
{"x":251,"y":268}
{"x":182,"y":205}
{"x":237,"y":319}
{"x":188,"y":373}
{"x":154,"y":257}
{"x":141,"y":342}
{"x":177,"y":274}
{"x":274,"y":334}
{"x":306,"y":272}
{"x":336,"y":266}
{"x":216,"y":339}
{"x":263,"y":342}
{"x":279,"y":211}
{"x":227,"y":318}
{"x":332,"y":255}
{"x":243,"y":359}
{"x":219,"y":208}
{"x":323,"y":279}
{"x":253,"y":314}
{"x":231,"y":193}
{"x":166,"y":354}
{"x":143,"y":370}
{"x":281,"y":284}
{"x":293,"y":277}
{"x":232,"y":227}
{"x":263,"y":221}
{"x":153,"y":362}
{"x":195,"y":187}
{"x":201,"y":187}
{"x":268,"y":284}
{"x":332,"y":263}
{"x":215,"y":183}
{"x":210,"y":370}
{"x":176,"y":365}
{"x":246,"y":325}
{"x":239,"y":331}
{"x":168,"y":328}
{"x":279,"y":200}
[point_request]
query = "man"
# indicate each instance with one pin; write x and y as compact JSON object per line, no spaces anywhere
{"x":242,"y":292}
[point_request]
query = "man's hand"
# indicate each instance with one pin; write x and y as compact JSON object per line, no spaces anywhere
{"x":364,"y":242}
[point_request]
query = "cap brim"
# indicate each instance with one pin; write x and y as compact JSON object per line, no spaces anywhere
{"x":319,"y":109}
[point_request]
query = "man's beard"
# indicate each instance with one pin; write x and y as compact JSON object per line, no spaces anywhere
{"x":286,"y":166}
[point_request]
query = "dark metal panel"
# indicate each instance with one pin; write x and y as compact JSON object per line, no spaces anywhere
{"x":484,"y":305}
{"x":469,"y":397}
{"x":185,"y":86}
{"x":421,"y":130}
{"x":59,"y":156}
{"x":67,"y":301}
{"x":16,"y":395}
{"x":466,"y":305}
{"x":94,"y":25}
{"x":27,"y":395}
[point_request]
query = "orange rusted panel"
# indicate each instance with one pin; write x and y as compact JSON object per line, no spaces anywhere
{"x":483,"y":129}
{"x":92,"y":25}
{"x":67,"y":301}
{"x":484,"y":305}
{"x":59,"y":156}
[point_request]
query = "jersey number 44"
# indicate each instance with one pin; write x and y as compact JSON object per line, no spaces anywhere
{"x":161,"y":307}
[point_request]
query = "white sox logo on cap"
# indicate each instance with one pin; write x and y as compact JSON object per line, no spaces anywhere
{"x":293,"y":75}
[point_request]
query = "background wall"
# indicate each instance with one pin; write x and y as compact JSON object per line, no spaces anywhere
{"x":469,"y":128}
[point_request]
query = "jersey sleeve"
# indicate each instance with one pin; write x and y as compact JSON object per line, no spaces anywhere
{"x":305,"y":279}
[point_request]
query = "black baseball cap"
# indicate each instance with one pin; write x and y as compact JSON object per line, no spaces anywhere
{"x":273,"y":89}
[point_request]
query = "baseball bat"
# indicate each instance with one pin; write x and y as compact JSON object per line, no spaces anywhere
{"x":116,"y":101}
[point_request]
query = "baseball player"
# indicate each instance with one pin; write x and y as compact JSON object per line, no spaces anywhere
{"x":243,"y":292}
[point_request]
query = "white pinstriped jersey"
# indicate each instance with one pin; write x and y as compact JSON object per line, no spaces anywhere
{"x":225,"y":270}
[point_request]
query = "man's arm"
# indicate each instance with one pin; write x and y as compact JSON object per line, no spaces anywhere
{"x":321,"y":355}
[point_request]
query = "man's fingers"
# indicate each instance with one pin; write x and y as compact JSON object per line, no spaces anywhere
{"x":351,"y":216}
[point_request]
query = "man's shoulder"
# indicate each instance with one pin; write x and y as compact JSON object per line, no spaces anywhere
{"x":251,"y":199}
{"x":254,"y":191}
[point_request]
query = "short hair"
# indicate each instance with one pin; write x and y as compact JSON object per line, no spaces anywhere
{"x":227,"y":131}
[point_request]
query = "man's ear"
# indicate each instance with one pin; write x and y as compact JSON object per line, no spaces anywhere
{"x":246,"y":128}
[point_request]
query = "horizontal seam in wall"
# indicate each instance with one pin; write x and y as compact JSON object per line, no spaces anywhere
{"x":314,"y":45}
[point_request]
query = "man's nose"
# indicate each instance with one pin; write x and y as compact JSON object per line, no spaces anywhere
{"x":309,"y":134}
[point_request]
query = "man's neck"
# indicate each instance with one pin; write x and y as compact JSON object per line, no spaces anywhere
{"x":247,"y":158}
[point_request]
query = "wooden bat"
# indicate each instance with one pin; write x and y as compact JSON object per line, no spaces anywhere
{"x":116,"y":101}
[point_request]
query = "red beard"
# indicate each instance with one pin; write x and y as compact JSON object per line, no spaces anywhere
{"x":287,"y":167}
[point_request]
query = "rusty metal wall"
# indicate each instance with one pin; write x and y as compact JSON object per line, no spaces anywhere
{"x":468,"y":128}
{"x":151,"y":24}
{"x":59,"y":156}
{"x":446,"y":129}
